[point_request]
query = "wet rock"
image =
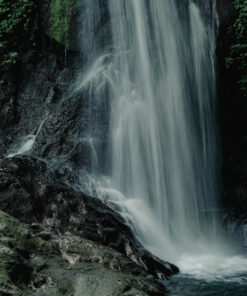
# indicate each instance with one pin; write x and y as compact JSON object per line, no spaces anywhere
{"x":65,"y":265}
{"x":16,"y":243}
{"x":96,"y":270}
{"x":235,"y":224}
{"x":31,"y":192}
{"x":25,"y":100}
{"x":38,"y":105}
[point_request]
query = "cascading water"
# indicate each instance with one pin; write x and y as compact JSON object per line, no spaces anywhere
{"x":25,"y":144}
{"x":162,"y":117}
{"x":152,"y":132}
{"x":158,"y":71}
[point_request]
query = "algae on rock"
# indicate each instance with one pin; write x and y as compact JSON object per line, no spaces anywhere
{"x":14,"y":270}
{"x":59,"y":20}
{"x":60,"y":15}
{"x":37,"y":261}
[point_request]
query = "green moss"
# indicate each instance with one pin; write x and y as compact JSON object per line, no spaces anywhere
{"x":11,"y":228}
{"x":13,"y":270}
{"x":17,"y":243}
{"x":59,"y":20}
{"x":60,"y":16}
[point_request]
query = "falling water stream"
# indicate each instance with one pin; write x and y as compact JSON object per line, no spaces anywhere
{"x":162,"y":133}
{"x":150,"y":81}
{"x":152,"y":95}
{"x":25,"y":144}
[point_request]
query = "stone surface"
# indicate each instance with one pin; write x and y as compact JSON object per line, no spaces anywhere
{"x":16,"y":243}
{"x":32,"y":193}
{"x":37,"y":261}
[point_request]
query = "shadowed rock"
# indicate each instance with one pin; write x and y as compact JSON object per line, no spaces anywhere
{"x":31,"y":192}
{"x":36,"y":261}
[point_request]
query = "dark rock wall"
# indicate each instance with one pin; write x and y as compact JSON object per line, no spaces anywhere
{"x":32,"y":90}
{"x":36,"y":89}
{"x":232,"y":115}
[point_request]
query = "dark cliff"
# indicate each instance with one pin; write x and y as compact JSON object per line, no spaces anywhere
{"x":232,"y":114}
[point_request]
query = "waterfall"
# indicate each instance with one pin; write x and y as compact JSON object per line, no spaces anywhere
{"x":152,"y":131}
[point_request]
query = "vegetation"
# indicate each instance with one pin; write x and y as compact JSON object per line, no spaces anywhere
{"x":238,"y":54}
{"x":60,"y":13}
{"x":17,"y":26}
{"x":59,"y":20}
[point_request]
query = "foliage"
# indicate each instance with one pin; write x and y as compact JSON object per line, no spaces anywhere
{"x":18,"y":23}
{"x":238,"y":55}
{"x":60,"y":16}
{"x":59,"y":20}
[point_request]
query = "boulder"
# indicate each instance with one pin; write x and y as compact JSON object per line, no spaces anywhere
{"x":32,"y":193}
{"x":38,"y":261}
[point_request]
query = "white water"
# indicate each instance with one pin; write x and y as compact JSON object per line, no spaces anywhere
{"x":163,"y":141}
{"x":158,"y":74}
{"x":25,"y":144}
{"x":215,"y":267}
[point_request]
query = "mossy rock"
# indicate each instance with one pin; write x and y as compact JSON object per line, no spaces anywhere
{"x":77,"y":266}
{"x":17,"y":242}
{"x":14,"y":272}
{"x":60,"y":19}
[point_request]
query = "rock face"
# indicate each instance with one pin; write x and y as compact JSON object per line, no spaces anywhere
{"x":37,"y":261}
{"x":33,"y":194}
{"x":14,"y":244}
{"x":232,"y":115}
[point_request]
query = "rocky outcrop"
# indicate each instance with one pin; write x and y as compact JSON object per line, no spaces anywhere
{"x":32,"y":193}
{"x":38,"y":261}
{"x":31,"y":105}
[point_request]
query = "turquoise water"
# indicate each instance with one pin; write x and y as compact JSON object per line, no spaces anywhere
{"x":182,"y":285}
